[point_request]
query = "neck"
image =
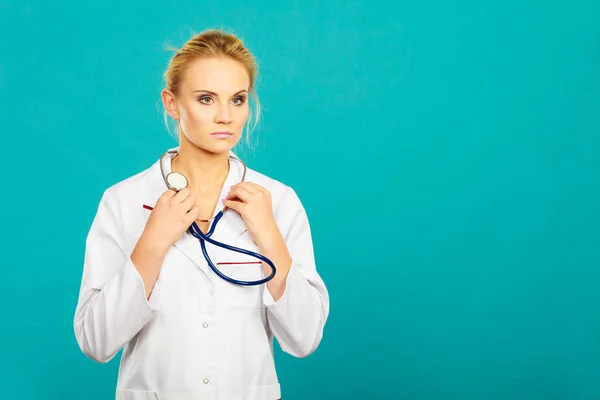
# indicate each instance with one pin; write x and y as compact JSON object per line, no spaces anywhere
{"x":204,"y":171}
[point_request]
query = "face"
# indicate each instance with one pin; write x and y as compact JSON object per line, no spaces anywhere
{"x":211,"y":104}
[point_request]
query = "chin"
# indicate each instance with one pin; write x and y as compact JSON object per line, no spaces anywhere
{"x":220,"y":147}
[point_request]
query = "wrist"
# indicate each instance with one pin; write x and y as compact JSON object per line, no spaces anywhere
{"x":271,"y":239}
{"x":154,"y":248}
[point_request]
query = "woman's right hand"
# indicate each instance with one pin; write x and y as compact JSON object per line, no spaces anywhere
{"x":172,"y":215}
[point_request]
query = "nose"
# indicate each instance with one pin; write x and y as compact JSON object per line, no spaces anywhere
{"x":223,"y":115}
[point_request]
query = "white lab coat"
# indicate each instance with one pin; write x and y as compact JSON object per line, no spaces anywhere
{"x":197,"y":336}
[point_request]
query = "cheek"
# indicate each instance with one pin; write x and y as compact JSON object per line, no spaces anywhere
{"x":200,"y":114}
{"x":242,"y":115}
{"x":194,"y":116}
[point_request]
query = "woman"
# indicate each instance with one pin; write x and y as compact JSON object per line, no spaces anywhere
{"x":147,"y":287}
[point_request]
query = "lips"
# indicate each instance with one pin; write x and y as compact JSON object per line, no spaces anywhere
{"x":222,"y":134}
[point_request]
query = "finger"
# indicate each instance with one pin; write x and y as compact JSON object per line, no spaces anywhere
{"x":189,"y":203}
{"x":239,"y":192}
{"x":256,"y":187}
{"x":193,"y":214}
{"x":194,"y":211}
{"x":247,"y":186}
{"x":182,"y":195}
{"x":234,"y":205}
{"x":169,"y":193}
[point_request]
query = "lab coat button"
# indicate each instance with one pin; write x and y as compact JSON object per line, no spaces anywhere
{"x":205,"y":325}
{"x":205,"y":380}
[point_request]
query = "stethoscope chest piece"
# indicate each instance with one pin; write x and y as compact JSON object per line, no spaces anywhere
{"x":176,"y":181}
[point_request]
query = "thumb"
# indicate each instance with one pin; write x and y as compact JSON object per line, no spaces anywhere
{"x":193,"y":214}
{"x":234,"y":205}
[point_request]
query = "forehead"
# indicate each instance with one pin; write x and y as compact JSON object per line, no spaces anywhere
{"x":220,"y":75}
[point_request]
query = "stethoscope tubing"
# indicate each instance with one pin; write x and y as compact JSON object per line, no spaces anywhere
{"x":195,"y":231}
{"x":203,"y":238}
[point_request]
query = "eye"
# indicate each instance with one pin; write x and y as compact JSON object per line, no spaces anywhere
{"x":205,"y":99}
{"x":238,"y":101}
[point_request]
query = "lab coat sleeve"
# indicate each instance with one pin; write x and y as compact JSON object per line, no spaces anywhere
{"x":112,"y":306}
{"x":298,"y":318}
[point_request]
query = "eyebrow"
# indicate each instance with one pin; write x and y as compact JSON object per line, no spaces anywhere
{"x":215,"y":94}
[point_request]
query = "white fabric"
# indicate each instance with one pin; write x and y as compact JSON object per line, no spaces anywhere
{"x":198,"y":336}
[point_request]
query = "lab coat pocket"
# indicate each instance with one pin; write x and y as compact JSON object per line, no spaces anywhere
{"x":125,"y":394}
{"x":240,"y":267}
{"x":234,"y":296}
{"x":268,"y":392}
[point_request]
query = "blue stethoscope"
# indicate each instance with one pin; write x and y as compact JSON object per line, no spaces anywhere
{"x":177,"y":181}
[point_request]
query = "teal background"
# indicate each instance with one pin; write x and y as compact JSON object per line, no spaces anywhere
{"x":447,"y":154}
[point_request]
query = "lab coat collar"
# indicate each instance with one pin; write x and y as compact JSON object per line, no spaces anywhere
{"x":229,"y":226}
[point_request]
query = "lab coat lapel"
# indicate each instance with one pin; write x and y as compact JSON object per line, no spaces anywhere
{"x":231,"y":223}
{"x":229,"y":226}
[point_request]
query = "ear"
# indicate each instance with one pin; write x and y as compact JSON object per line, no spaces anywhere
{"x":170,"y":103}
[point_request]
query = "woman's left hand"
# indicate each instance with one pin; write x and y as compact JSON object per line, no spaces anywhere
{"x":253,"y":203}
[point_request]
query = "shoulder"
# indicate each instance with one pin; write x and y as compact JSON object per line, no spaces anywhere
{"x":288,"y":210}
{"x":121,"y":206}
{"x":129,"y":188}
{"x":283,"y":196}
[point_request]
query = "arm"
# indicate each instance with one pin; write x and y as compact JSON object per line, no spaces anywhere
{"x":297,"y":318}
{"x":113,"y":305}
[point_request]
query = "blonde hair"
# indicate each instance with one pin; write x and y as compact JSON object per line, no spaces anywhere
{"x":214,"y":44}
